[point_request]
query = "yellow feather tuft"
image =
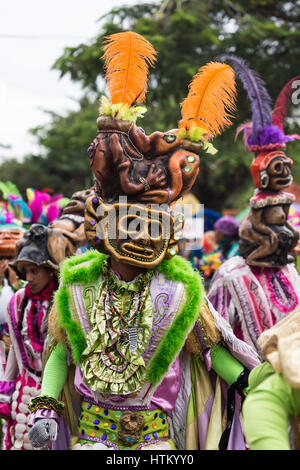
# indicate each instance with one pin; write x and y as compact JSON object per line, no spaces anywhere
{"x":127,"y":57}
{"x":211,"y":99}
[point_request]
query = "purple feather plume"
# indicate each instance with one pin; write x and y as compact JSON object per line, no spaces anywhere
{"x":257,"y":93}
{"x":269,"y":135}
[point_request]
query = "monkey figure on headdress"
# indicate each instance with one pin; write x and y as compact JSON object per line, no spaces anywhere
{"x":261,"y":286}
{"x":149,"y":356}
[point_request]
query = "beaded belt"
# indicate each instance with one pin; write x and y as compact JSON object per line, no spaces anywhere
{"x":122,"y":429}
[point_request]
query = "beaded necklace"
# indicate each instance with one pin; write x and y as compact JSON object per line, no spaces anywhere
{"x":134,"y":310}
{"x":37,"y":310}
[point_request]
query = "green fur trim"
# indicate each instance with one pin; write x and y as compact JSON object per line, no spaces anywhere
{"x":73,"y":329}
{"x":72,"y":273}
{"x":177,"y":269}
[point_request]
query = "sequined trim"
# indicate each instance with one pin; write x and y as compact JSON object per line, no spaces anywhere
{"x":121,"y":324}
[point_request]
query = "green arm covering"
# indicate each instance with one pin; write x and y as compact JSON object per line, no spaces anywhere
{"x":56,"y":372}
{"x":225,"y":365}
{"x":266,"y":411}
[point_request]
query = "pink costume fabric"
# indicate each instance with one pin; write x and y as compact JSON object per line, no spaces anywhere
{"x":27,"y":321}
{"x":173,"y":393}
{"x":253,"y":299}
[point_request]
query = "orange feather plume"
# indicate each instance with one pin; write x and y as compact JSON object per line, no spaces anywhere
{"x":211,"y":99}
{"x":127,"y":56}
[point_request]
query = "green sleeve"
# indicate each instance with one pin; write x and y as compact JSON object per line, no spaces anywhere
{"x":225,"y":365}
{"x":266,"y":411}
{"x":56,"y":372}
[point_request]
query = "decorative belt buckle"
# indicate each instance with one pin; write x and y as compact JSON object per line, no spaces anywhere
{"x":131,"y":425}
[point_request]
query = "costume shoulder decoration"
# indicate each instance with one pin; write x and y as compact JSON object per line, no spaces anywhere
{"x":208,"y":108}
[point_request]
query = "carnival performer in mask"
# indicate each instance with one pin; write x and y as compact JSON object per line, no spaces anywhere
{"x":130,"y":327}
{"x":258,"y":288}
{"x":27,"y":321}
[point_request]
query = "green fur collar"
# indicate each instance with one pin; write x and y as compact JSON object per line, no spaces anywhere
{"x":86,"y":268}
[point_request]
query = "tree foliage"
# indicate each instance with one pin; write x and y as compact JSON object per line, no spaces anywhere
{"x":186,"y":34}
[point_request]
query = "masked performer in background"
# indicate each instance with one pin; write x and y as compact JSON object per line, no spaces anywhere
{"x":258,"y":288}
{"x":39,"y":254}
{"x":11,"y":231}
{"x":131,"y":331}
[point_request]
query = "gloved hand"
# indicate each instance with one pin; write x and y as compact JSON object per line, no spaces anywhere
{"x":43,"y":431}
